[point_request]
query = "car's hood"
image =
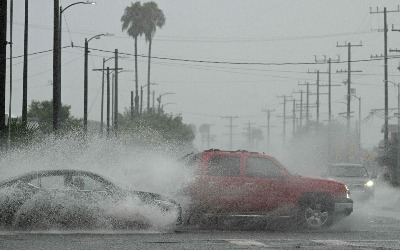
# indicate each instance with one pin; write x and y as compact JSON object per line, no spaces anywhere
{"x":351,"y":180}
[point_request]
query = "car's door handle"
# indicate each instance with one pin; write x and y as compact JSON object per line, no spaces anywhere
{"x":249,"y":184}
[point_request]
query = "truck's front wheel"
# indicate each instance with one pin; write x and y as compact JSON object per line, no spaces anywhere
{"x":315,"y":213}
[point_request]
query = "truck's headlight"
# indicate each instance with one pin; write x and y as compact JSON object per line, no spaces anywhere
{"x":347,"y":192}
{"x":369,"y":183}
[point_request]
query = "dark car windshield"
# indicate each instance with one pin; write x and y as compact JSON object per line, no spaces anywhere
{"x":348,"y":171}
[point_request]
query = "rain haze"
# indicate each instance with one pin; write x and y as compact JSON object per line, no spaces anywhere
{"x":262,"y":49}
{"x":228,"y":68}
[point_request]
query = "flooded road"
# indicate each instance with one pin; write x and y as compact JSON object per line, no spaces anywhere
{"x":355,"y":232}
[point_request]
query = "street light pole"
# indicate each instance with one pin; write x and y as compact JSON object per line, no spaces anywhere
{"x":85,"y":78}
{"x":168,"y":103}
{"x":141,"y":96}
{"x":159,"y":99}
{"x":58,"y":10}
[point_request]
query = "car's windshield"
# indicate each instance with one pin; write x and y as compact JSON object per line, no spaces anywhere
{"x":348,"y":171}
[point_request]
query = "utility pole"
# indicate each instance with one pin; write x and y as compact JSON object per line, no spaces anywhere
{"x":359,"y":123}
{"x":268,"y":111}
{"x":397,"y":170}
{"x":108,"y":70}
{"x":230,"y":129}
{"x":11,"y":70}
{"x":207,"y":129}
{"x":85,"y":86}
{"x":284,"y":115}
{"x":301,"y":106}
{"x":3,"y":67}
{"x":329,"y":61}
{"x":385,"y":30}
{"x":132,"y":100}
{"x":294,"y":117}
{"x":348,"y":71}
{"x":318,"y":93}
{"x":102,"y":97}
{"x":141,"y":99}
{"x":108,"y":101}
{"x":116,"y":91}
{"x":25,"y":70}
{"x":317,"y":97}
{"x":308,"y":103}
{"x":56,"y":62}
{"x":249,"y":124}
{"x":153,"y":97}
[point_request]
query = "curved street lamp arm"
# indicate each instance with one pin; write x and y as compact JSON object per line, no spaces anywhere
{"x":99,"y":35}
{"x":76,"y":4}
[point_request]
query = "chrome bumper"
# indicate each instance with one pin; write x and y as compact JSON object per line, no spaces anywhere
{"x":344,"y":206}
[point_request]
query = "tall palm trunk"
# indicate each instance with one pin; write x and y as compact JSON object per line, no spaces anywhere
{"x":136,"y":79}
{"x":148,"y":77}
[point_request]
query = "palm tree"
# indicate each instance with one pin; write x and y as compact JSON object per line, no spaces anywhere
{"x":152,"y":18}
{"x":132,"y":23}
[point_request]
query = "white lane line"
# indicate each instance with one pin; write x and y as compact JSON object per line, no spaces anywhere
{"x":336,"y":243}
{"x":245,"y":242}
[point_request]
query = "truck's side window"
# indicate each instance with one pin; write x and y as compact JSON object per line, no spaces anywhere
{"x":262,"y":168}
{"x":224,"y":166}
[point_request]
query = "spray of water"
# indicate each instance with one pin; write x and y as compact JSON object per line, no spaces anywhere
{"x":138,"y":163}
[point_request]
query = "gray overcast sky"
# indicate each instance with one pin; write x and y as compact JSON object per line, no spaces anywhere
{"x":224,"y":30}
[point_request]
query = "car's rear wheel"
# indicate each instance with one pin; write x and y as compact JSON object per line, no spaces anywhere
{"x":315,"y":213}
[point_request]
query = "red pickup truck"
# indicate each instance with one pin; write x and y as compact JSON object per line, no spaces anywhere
{"x":254,"y":185}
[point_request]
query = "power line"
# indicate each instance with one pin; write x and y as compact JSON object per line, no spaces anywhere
{"x":218,"y":62}
{"x":213,"y":39}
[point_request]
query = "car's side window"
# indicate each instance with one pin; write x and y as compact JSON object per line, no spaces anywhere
{"x":49,"y":182}
{"x":221,"y":165}
{"x":83,"y":182}
{"x":92,"y":184}
{"x":262,"y":168}
{"x":35,"y":182}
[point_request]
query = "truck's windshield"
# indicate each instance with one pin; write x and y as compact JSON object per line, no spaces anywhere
{"x":348,"y":171}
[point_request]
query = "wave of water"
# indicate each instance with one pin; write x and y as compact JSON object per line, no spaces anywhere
{"x":123,"y":160}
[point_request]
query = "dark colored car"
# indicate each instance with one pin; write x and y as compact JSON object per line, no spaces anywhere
{"x":356,"y":177}
{"x":80,"y":199}
{"x":241,"y":184}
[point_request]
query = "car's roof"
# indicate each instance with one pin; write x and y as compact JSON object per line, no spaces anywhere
{"x":51,"y":172}
{"x":245,"y":152}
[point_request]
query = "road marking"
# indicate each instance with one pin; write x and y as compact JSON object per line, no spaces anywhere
{"x":336,"y":243}
{"x":244,"y":242}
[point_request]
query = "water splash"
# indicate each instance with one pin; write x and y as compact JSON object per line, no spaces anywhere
{"x":126,"y":161}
